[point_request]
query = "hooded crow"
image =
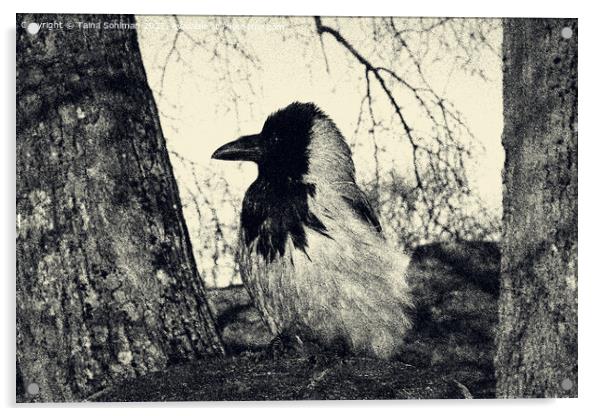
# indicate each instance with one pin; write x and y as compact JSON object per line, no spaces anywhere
{"x":312,"y":254}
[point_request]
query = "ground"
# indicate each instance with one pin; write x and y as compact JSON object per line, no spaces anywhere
{"x":448,"y":355}
{"x":245,"y":378}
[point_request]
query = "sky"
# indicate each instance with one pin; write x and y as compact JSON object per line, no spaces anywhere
{"x":219,"y":78}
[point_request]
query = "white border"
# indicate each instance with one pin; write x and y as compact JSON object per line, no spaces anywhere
{"x":589,"y":203}
{"x":461,"y":8}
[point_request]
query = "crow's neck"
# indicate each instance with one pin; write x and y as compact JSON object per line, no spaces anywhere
{"x":274,"y":211}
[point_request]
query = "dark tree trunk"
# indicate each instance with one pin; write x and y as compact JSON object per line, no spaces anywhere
{"x":107,"y":286}
{"x":537,"y":340}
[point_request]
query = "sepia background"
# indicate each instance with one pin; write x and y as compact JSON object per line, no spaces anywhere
{"x":216,"y":78}
{"x":110,"y":305}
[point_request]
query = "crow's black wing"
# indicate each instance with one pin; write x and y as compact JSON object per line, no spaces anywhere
{"x":359,"y":203}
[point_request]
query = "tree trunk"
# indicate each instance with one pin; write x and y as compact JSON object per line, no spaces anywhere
{"x":537,"y":341}
{"x":107,"y":285}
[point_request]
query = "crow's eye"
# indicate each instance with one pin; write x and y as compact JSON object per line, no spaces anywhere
{"x":275,"y":138}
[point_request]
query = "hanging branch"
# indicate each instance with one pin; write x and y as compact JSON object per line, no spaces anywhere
{"x":438,"y":158}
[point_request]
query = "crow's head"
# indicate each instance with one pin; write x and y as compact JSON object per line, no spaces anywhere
{"x":290,"y":138}
{"x":301,"y":156}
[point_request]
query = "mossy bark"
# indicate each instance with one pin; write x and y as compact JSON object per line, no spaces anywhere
{"x":537,"y":341}
{"x":107,"y":286}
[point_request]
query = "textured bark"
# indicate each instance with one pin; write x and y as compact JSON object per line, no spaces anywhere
{"x":107,"y":286}
{"x":537,"y":341}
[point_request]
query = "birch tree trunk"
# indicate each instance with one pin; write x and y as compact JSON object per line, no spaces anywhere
{"x":107,"y":286}
{"x":537,"y":340}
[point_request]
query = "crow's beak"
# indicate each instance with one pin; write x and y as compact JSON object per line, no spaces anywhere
{"x":245,"y":148}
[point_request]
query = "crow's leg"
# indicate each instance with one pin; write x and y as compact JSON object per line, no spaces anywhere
{"x":285,"y":344}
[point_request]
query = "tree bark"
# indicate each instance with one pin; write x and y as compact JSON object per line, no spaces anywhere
{"x":537,"y":340}
{"x":107,"y":285}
